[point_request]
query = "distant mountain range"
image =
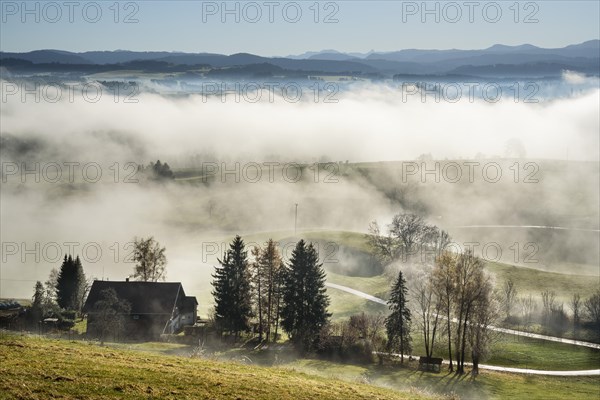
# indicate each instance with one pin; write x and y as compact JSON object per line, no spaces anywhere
{"x":498,"y":60}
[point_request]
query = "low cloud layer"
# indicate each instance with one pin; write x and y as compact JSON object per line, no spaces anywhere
{"x":372,"y":124}
{"x":365,"y":125}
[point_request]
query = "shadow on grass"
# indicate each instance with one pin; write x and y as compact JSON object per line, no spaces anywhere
{"x":444,"y":382}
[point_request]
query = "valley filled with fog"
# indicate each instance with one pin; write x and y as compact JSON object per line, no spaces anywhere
{"x":300,"y":200}
{"x":241,"y":166}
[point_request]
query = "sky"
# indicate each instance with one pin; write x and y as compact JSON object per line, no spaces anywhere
{"x":280,"y":28}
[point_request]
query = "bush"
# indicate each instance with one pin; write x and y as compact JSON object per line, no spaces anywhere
{"x":360,"y":351}
{"x":352,"y":340}
{"x":558,"y":320}
{"x":68,"y":314}
{"x":66,"y":324}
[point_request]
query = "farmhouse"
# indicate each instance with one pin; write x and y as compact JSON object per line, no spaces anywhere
{"x":156,"y":307}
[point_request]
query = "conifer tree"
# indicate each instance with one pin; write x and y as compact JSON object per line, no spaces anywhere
{"x":69,"y":283}
{"x":398,"y":322}
{"x":232,"y":289}
{"x":304,"y":295}
{"x":37,"y":304}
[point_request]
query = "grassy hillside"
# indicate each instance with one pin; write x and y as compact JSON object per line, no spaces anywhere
{"x":530,"y":192}
{"x":533,"y":281}
{"x":527,"y":280}
{"x":34,"y":368}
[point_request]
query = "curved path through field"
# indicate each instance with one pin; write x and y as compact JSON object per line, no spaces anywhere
{"x":559,"y":228}
{"x":591,"y":372}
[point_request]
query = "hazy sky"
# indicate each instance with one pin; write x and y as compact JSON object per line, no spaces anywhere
{"x":284,"y":27}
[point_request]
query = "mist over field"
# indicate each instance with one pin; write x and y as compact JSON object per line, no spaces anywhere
{"x":300,"y":200}
{"x":376,"y":123}
{"x":196,"y":134}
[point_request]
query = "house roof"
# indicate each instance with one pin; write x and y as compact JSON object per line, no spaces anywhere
{"x":190,"y":301}
{"x":144,"y":297}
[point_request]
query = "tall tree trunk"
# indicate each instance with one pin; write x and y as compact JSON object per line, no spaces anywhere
{"x":475,"y":359}
{"x":269,"y":301}
{"x":463,"y":343}
{"x":260,"y":318}
{"x":451,"y":367}
{"x":433,"y":335}
{"x":401,"y":347}
{"x":426,"y":333}
{"x":277,"y":313}
{"x":458,"y":338}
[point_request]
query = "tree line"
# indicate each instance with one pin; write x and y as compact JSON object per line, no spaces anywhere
{"x":264,"y":292}
{"x":63,"y":294}
{"x":548,"y":313}
{"x":452,"y":296}
{"x":271,"y":293}
{"x":454,"y":300}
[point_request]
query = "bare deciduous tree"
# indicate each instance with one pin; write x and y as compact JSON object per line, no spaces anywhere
{"x":509,"y":292}
{"x":406,"y":236}
{"x":481,"y":337}
{"x":592,"y":307}
{"x":410,"y":230}
{"x":575,"y":305}
{"x":150,"y":260}
{"x":51,"y":284}
{"x":548,"y":303}
{"x":441,"y":241}
{"x":267,"y":280}
{"x":528,"y":307}
{"x":443,"y":283}
{"x":383,"y":247}
{"x":428,"y":307}
{"x":472,"y":286}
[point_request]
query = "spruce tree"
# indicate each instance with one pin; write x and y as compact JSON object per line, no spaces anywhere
{"x":398,"y":322}
{"x":305,"y":299}
{"x":232,"y":289}
{"x":65,"y":283}
{"x":37,"y":304}
{"x":69,"y":284}
{"x":80,"y":289}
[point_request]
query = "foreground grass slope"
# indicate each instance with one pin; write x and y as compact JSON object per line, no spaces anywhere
{"x":488,"y":385}
{"x":37,"y":368}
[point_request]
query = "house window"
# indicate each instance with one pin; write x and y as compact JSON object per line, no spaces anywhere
{"x":136,"y":317}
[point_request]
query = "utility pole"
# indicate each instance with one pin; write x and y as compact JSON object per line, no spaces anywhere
{"x":296,"y":219}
